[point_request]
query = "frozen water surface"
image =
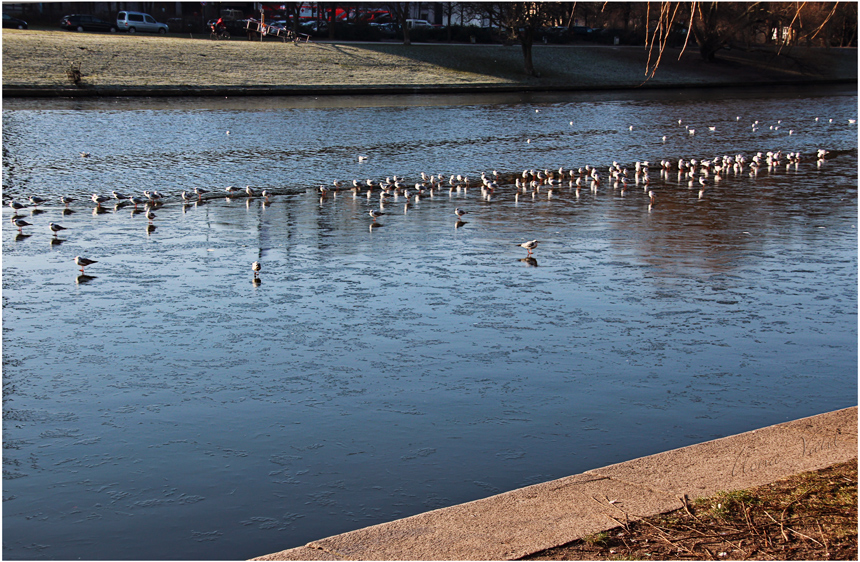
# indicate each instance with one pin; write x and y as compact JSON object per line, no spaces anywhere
{"x":167,"y":407}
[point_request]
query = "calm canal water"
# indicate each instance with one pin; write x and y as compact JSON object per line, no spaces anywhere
{"x":167,"y":407}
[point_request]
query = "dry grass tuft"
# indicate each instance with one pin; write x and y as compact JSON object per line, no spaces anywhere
{"x":811,"y":516}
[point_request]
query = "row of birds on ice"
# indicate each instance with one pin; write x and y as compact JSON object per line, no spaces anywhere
{"x":530,"y":182}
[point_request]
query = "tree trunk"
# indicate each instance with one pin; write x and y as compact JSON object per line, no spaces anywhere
{"x":296,"y":9}
{"x":450,"y":9}
{"x":709,"y":47}
{"x":527,"y":41}
{"x":527,"y":59}
{"x":401,"y":13}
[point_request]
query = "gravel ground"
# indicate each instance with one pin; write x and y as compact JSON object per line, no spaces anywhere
{"x":35,"y":58}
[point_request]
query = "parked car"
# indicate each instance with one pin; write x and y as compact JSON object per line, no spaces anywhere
{"x":233,"y":27}
{"x":279,"y":25}
{"x":137,"y":21}
{"x":558,"y":34}
{"x":581,"y":32}
{"x":82,"y":22}
{"x":412,"y":24}
{"x":13,"y":23}
{"x":388,"y":30}
{"x":315,"y":27}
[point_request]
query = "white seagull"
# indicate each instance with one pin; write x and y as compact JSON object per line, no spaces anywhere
{"x":83,"y":262}
{"x":530,"y":245}
{"x":20,"y":223}
{"x":55,"y":227}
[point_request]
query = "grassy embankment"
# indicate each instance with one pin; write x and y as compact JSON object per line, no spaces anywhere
{"x":41,"y":58}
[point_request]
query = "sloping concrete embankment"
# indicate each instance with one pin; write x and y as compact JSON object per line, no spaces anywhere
{"x":521,"y":522}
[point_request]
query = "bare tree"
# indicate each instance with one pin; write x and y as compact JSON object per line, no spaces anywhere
{"x":719,"y":25}
{"x":521,"y":21}
{"x":331,"y":19}
{"x":400,"y":11}
{"x":292,"y":11}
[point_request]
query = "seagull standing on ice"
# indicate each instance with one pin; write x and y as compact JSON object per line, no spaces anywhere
{"x":83,"y":262}
{"x":20,"y":223}
{"x":459,"y":212}
{"x":137,"y":201}
{"x":375,"y":213}
{"x":56,"y":228}
{"x":530,"y":245}
{"x":255,"y":267}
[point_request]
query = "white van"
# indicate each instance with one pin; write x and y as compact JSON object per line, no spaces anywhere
{"x":412,"y":24}
{"x":136,"y":21}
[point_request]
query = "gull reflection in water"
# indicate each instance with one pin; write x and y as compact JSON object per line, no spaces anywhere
{"x":84,"y":278}
{"x":529,"y":261}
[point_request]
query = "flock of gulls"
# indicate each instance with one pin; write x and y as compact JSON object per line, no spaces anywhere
{"x":699,"y":173}
{"x":387,"y":189}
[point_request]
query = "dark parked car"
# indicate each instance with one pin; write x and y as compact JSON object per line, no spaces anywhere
{"x":581,"y":32}
{"x":314,"y":27}
{"x":80,"y":22}
{"x":233,"y":27}
{"x":14,"y":23}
